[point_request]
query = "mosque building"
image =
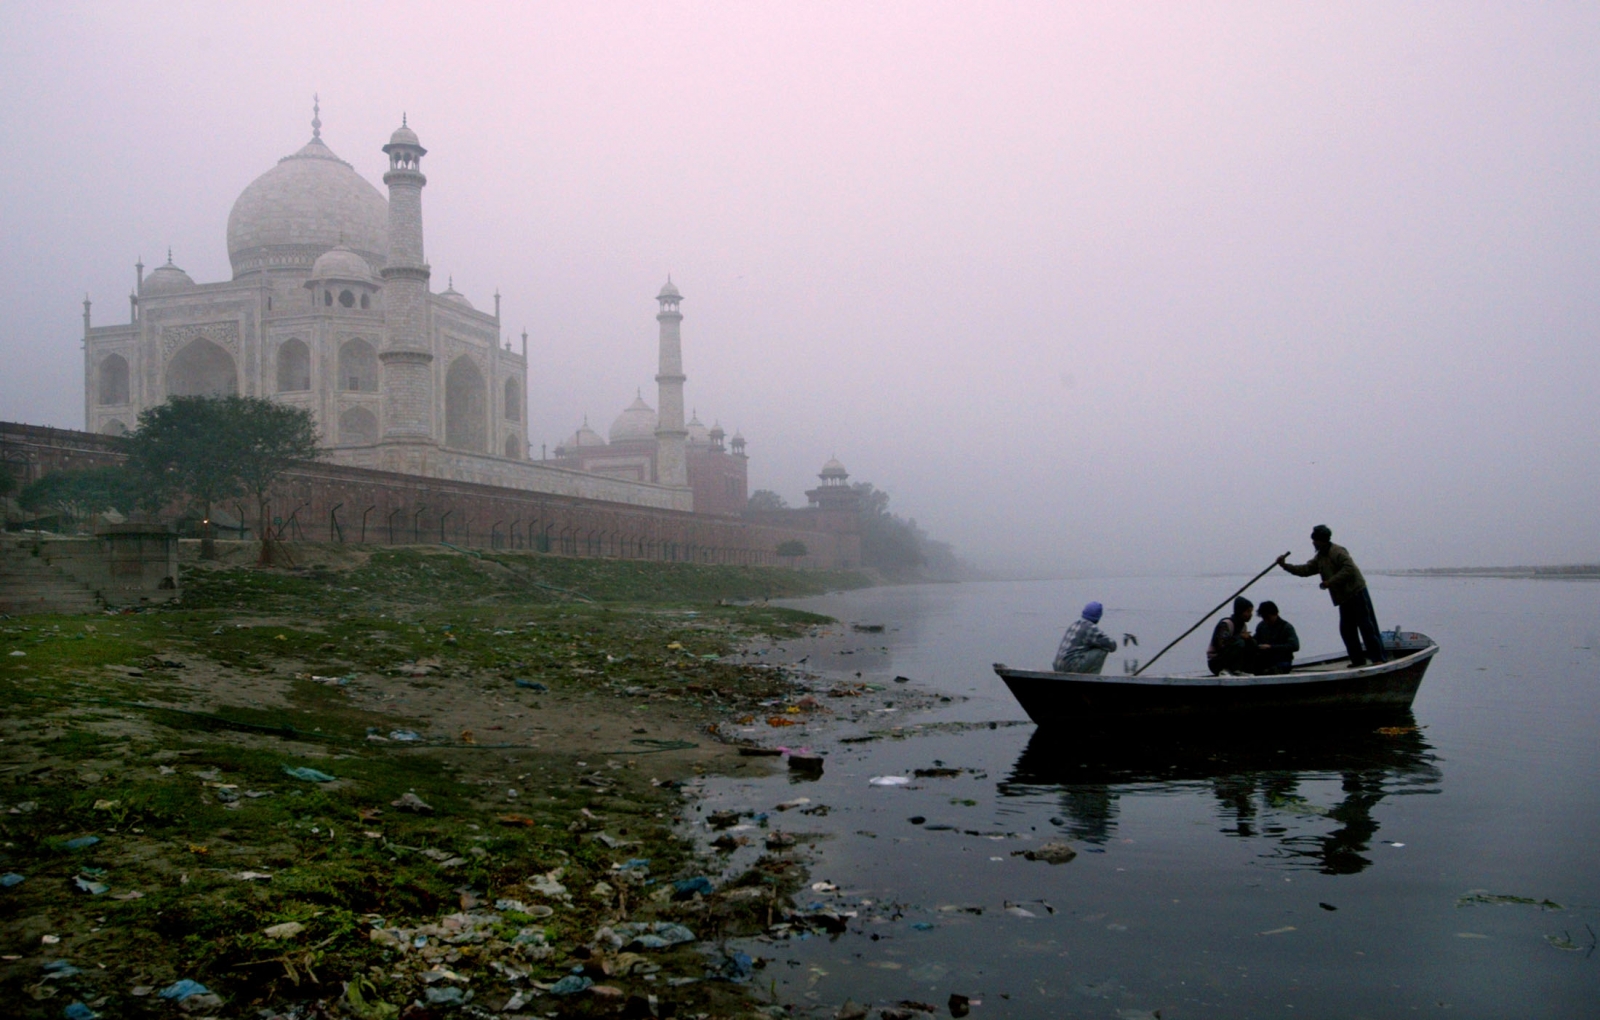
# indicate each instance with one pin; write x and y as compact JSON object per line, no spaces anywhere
{"x":331,"y":308}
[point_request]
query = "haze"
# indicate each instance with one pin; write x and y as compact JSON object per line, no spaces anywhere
{"x":1087,"y":289}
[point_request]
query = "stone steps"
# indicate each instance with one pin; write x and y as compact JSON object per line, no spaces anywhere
{"x":29,"y":585}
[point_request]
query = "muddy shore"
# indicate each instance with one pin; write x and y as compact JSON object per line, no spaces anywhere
{"x":416,"y":783}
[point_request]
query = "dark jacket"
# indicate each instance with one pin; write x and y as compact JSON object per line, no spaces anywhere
{"x":1231,"y":645}
{"x":1339,"y":572}
{"x":1280,"y":635}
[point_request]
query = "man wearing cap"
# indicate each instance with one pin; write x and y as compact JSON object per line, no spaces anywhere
{"x":1084,"y":646}
{"x":1276,"y":641}
{"x":1341,"y":578}
{"x":1232,"y":650}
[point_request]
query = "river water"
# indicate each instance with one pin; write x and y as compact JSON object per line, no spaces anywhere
{"x":1454,"y":870}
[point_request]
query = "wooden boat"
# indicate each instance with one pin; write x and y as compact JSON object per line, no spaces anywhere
{"x":1315,"y":686}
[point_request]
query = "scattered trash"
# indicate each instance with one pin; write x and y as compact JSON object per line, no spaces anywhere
{"x":405,"y":736}
{"x":851,"y":1011}
{"x":936,"y":773}
{"x":889,"y":781}
{"x":78,"y":1011}
{"x":684,"y":888}
{"x":409,"y":801}
{"x":54,"y":969}
{"x":722,"y":819}
{"x":572,"y":984}
{"x":91,"y":887}
{"x":1054,"y":852}
{"x":922,"y":926}
{"x":1015,"y":911}
{"x":182,"y":989}
{"x":916,"y":819}
{"x":902,"y":679}
{"x":81,"y":843}
{"x":286,"y":930}
{"x":806,"y":764}
{"x":789,"y":805}
{"x":960,"y":1005}
{"x":1483,"y":897}
{"x":732,"y":966}
{"x":10,"y":879}
{"x":778,"y":720}
{"x":253,"y":876}
{"x":546,"y":885}
{"x":448,"y":996}
{"x":533,"y":685}
{"x":50,"y":940}
{"x":1327,"y":906}
{"x":310,"y":775}
{"x":1278,"y":931}
{"x":867,"y":628}
{"x":651,"y":934}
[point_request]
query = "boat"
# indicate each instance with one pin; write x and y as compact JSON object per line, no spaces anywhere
{"x":1314,"y":686}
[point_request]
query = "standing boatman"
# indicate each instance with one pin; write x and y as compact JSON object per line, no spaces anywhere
{"x":1341,"y":578}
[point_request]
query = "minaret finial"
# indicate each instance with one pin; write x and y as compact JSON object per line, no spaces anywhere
{"x":316,"y":115}
{"x":169,"y":254}
{"x":402,"y":118}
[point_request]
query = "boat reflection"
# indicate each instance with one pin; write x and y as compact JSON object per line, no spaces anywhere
{"x":1269,"y":784}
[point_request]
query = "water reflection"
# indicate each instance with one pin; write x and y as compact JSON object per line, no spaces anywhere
{"x":1272,"y":785}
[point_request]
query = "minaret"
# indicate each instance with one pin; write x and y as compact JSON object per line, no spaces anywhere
{"x":671,"y":465}
{"x":407,"y":355}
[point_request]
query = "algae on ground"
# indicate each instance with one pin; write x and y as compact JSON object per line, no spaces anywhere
{"x":166,"y":736}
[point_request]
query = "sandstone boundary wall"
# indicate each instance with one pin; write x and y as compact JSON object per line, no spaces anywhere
{"x":337,"y":503}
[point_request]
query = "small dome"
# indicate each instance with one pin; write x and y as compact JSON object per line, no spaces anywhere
{"x":833,"y":469}
{"x":637,"y":423}
{"x":165,"y":279}
{"x":699,"y":435}
{"x":585,"y":436}
{"x":340,"y":263}
{"x":668,"y":291}
{"x":403,"y":135}
{"x":453,"y":295}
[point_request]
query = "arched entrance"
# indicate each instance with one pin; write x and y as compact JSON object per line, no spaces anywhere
{"x":202,"y":369}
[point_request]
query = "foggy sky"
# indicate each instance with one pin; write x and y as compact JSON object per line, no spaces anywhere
{"x":1086,"y":288}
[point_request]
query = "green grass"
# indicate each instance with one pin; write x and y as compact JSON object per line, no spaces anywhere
{"x":85,"y":747}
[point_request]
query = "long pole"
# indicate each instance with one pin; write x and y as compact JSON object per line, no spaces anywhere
{"x":1206,"y":617}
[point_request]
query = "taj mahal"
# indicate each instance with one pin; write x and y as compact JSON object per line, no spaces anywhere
{"x":331,"y":308}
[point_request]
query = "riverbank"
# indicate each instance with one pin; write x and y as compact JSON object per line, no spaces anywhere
{"x":397,"y":784}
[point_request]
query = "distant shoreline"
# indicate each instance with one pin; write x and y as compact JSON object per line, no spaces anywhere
{"x":1571,"y":572}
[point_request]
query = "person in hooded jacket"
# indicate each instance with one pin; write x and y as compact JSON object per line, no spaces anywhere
{"x":1084,"y":646}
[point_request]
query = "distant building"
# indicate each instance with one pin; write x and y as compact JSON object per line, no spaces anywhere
{"x":642,"y":445}
{"x":833,"y":507}
{"x":330,"y":308}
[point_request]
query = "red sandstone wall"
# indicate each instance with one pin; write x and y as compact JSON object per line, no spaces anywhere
{"x":324,"y":502}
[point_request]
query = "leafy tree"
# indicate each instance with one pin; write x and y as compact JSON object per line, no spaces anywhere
{"x":792,"y":549}
{"x":888,"y":542}
{"x":76,"y":495}
{"x":8,"y":481}
{"x":210,"y":449}
{"x":765,"y":499}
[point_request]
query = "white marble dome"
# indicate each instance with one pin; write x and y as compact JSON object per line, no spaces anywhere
{"x":833,"y":469}
{"x":585,"y":436}
{"x":165,"y":279}
{"x":699,"y":435}
{"x":308,"y":203}
{"x":637,"y":423}
{"x":451,"y":294}
{"x":340,"y":263}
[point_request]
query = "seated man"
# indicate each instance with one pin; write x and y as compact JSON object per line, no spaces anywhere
{"x":1276,"y":641}
{"x":1232,"y":649}
{"x":1084,"y":646}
